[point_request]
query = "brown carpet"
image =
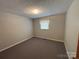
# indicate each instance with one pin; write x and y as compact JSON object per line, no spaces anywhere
{"x":36,"y":48}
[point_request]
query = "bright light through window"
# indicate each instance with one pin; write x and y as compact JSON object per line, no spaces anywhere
{"x":44,"y":24}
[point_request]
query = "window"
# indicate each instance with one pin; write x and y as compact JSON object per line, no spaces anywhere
{"x":44,"y":24}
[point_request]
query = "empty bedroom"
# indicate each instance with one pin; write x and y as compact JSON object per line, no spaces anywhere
{"x":39,"y":29}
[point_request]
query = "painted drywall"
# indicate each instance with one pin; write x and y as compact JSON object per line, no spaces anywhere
{"x":14,"y":29}
{"x":56,"y":28}
{"x":72,"y":28}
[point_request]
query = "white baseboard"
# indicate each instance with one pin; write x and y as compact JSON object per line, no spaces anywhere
{"x":70,"y":54}
{"x":50,"y":39}
{"x":15,"y":44}
{"x":25,"y":40}
{"x":56,"y":40}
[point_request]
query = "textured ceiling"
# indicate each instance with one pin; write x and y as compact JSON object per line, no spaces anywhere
{"x":24,"y":7}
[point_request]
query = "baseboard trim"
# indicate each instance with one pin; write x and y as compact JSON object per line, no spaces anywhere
{"x":56,"y":40}
{"x":70,"y":54}
{"x":50,"y":39}
{"x":15,"y":44}
{"x":25,"y":40}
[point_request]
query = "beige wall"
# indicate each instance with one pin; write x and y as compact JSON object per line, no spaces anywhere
{"x":72,"y":28}
{"x":56,"y":28}
{"x":14,"y":29}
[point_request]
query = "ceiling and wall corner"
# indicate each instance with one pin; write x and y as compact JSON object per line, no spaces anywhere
{"x":25,"y":7}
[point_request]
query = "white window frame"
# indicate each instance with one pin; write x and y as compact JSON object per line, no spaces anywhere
{"x":44,"y":24}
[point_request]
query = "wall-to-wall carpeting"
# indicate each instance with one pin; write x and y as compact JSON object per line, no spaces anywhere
{"x":36,"y":48}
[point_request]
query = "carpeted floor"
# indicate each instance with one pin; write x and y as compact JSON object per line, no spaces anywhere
{"x":36,"y":48}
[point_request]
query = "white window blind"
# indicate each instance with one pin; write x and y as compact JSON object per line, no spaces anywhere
{"x":44,"y":24}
